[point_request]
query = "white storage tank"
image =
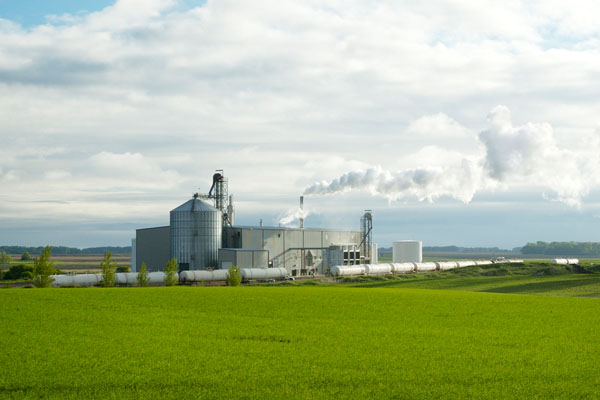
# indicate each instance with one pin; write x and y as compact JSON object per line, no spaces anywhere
{"x":263,"y":273}
{"x":203,"y":276}
{"x":562,"y":261}
{"x":572,"y":261}
{"x":425,"y":266}
{"x":407,"y":251}
{"x":378,"y":269}
{"x":342,"y":270}
{"x":402,"y":267}
{"x":463,"y":264}
{"x":446,"y":265}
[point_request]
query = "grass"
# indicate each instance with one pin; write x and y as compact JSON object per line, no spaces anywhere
{"x":296,"y":343}
{"x":531,"y":277}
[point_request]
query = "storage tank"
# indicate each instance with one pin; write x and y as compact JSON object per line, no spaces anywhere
{"x":425,"y":266}
{"x":206,"y":276}
{"x":263,"y":273}
{"x":378,"y":269}
{"x":572,"y":261}
{"x":563,"y":261}
{"x":402,"y":267}
{"x":407,"y":251}
{"x":463,"y":264}
{"x":342,"y":270}
{"x":446,"y":265}
{"x":196,"y":235}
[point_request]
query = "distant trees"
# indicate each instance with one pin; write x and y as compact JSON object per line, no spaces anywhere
{"x":142,"y":276}
{"x":109,"y":269}
{"x":562,"y":248}
{"x":234,"y":276}
{"x":171,"y":273}
{"x":5,"y":259}
{"x":43,"y":268}
{"x":26,"y":256}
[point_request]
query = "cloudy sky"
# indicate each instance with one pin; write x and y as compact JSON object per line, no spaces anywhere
{"x":456,"y":122}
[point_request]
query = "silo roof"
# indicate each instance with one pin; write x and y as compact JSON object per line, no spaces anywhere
{"x":196,"y":204}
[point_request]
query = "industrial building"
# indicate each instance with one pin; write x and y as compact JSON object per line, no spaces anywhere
{"x":202,"y":235}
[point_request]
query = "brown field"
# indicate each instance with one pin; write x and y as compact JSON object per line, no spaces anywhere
{"x":79,"y":262}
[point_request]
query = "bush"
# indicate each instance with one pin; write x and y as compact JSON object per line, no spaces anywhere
{"x":171,"y":273}
{"x":26,"y":256}
{"x":123,"y":268}
{"x":234,"y":276}
{"x":16,"y":272}
{"x":28,"y":275}
{"x":142,"y":276}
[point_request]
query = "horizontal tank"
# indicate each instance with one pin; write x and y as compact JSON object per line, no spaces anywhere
{"x":263,"y":273}
{"x":203,"y":276}
{"x":463,"y":264}
{"x":76,"y":280}
{"x":425,"y":266}
{"x":399,"y":268}
{"x":347,"y":270}
{"x":126,"y":278}
{"x":572,"y":261}
{"x":446,"y":265}
{"x":483,"y":262}
{"x":378,"y":269}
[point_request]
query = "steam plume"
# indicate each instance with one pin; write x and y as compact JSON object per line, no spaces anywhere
{"x":524,"y":155}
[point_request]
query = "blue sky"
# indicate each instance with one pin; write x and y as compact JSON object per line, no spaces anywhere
{"x":33,"y":12}
{"x":466,"y":123}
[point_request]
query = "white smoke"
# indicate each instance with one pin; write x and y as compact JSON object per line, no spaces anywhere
{"x":525,"y":155}
{"x":292,"y":216}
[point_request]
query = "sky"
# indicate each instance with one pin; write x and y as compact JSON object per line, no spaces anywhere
{"x":457,"y":122}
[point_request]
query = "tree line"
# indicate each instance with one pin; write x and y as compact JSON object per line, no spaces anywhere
{"x":562,"y":248}
{"x":63,"y":250}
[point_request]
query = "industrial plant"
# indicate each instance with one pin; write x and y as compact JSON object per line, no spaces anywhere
{"x":202,"y":236}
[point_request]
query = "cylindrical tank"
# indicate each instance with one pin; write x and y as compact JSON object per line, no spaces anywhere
{"x":347,"y":270}
{"x":126,"y":278}
{"x":407,"y":251}
{"x":446,"y":265}
{"x":425,"y":266}
{"x":572,"y":261}
{"x":402,"y":267}
{"x":76,"y":280}
{"x":563,"y":261}
{"x":483,"y":262}
{"x":264,"y":273}
{"x":462,"y":264}
{"x":156,"y":277}
{"x":196,"y":235}
{"x":378,"y":269}
{"x":206,"y":276}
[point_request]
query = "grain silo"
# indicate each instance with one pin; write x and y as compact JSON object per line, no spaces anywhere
{"x":196,"y":235}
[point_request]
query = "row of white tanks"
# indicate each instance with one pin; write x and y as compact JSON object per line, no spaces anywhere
{"x":566,"y":261}
{"x":130,"y":278}
{"x":403,"y":268}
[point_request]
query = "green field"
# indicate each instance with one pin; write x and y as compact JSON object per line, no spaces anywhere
{"x":297,"y":342}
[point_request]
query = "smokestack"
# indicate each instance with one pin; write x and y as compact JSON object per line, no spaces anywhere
{"x":301,"y":211}
{"x":261,"y":223}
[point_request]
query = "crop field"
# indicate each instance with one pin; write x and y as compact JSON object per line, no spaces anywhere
{"x":296,"y":342}
{"x":79,"y":262}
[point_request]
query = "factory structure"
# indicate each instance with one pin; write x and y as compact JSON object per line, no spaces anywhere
{"x":202,"y":235}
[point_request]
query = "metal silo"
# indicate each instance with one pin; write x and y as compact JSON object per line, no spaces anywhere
{"x":196,"y":229}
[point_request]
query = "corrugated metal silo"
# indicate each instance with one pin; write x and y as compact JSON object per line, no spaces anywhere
{"x":196,"y":235}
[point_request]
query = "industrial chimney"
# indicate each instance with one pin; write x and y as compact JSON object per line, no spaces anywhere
{"x":301,"y":211}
